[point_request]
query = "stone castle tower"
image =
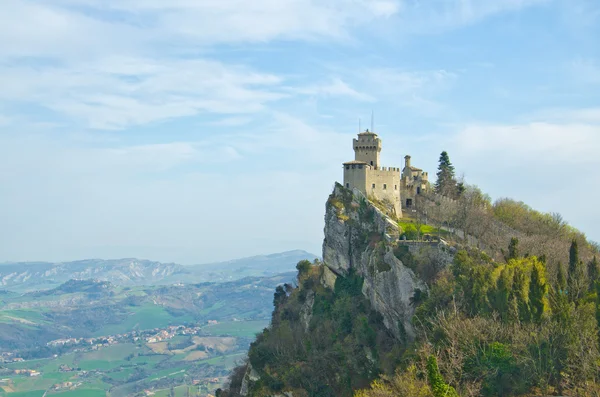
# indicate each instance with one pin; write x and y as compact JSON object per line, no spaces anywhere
{"x":365,"y":173}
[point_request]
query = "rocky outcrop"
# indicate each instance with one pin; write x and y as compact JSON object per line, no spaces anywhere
{"x":249,"y":377}
{"x":307,"y":310}
{"x":361,"y":238}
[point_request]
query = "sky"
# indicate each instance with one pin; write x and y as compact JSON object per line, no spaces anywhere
{"x":193,"y":131}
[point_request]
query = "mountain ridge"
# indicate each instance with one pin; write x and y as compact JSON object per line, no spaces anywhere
{"x":24,"y":276}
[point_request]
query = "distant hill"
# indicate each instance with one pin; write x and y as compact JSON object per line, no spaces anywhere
{"x":86,"y":308}
{"x":27,"y":276}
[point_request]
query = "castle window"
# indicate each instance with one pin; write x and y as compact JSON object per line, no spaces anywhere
{"x":371,"y":163}
{"x":348,"y":185}
{"x":384,"y":186}
{"x":347,"y":167}
{"x":373,"y":186}
{"x":395,"y":187}
{"x":418,"y":190}
{"x":409,"y":203}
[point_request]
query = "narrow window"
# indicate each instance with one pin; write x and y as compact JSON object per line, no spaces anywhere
{"x":384,"y":186}
{"x":348,"y":185}
{"x":418,"y":190}
{"x":371,"y":163}
{"x":395,"y":187}
{"x":373,"y":186}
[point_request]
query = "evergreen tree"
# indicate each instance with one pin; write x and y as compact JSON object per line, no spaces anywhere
{"x":575,"y":278}
{"x":446,"y":182}
{"x":513,"y":249}
{"x":593,"y":273}
{"x":502,"y":294}
{"x":561,"y":279}
{"x":519,"y":292}
{"x":537,"y":293}
{"x":439,"y":387}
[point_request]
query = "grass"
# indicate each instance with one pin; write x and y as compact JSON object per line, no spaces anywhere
{"x":82,"y":393}
{"x":237,"y":328}
{"x":409,"y":226}
{"x":111,"y":353}
{"x":27,"y":316}
{"x":32,"y":393}
{"x":144,"y":317}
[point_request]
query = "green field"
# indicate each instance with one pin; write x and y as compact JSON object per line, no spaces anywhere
{"x":81,"y":393}
{"x":237,"y":328}
{"x":33,"y":393}
{"x":144,"y":317}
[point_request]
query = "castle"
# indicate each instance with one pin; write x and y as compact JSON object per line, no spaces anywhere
{"x":389,"y":184}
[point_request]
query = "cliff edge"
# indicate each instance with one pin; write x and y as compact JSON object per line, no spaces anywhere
{"x":361,"y":237}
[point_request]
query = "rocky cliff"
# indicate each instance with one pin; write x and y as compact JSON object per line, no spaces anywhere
{"x":350,"y":318}
{"x":360,"y":236}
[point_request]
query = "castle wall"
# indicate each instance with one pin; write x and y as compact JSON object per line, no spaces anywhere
{"x":367,"y":148}
{"x":384,"y":183}
{"x":356,"y":177}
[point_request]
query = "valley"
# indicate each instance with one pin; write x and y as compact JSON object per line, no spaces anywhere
{"x":94,"y":338}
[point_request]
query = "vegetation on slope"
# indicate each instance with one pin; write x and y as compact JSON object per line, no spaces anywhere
{"x":305,"y":355}
{"x":506,"y":318}
{"x":501,"y":329}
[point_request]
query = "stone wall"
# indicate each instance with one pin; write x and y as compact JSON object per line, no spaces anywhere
{"x":384,"y":184}
{"x":355,"y":177}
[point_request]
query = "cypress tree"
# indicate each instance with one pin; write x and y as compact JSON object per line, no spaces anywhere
{"x":593,"y":273}
{"x":573,"y":257}
{"x":502,"y":294}
{"x":575,"y":277}
{"x":561,"y":279}
{"x":513,"y":248}
{"x":446,"y":183}
{"x":439,"y":387}
{"x":519,"y":293}
{"x":537,"y":293}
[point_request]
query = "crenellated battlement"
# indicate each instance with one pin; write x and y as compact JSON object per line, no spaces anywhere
{"x":391,"y":184}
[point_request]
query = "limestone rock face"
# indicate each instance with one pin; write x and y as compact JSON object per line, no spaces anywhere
{"x":360,"y":237}
{"x":307,"y":310}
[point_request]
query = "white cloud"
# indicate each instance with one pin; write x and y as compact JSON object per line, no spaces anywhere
{"x":111,"y":94}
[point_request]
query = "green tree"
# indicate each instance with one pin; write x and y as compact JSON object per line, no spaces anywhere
{"x":575,"y":280}
{"x":303,"y":266}
{"x":502,"y":293}
{"x":513,"y":249}
{"x":520,"y":295}
{"x":537,"y":293}
{"x":446,"y":182}
{"x":439,"y":387}
{"x":561,"y":279}
{"x":593,"y":274}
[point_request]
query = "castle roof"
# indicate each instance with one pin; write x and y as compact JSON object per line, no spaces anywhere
{"x":355,"y":162}
{"x":367,"y":132}
{"x":415,"y":169}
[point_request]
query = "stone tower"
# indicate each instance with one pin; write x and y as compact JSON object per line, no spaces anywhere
{"x":365,"y":173}
{"x":367,"y":148}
